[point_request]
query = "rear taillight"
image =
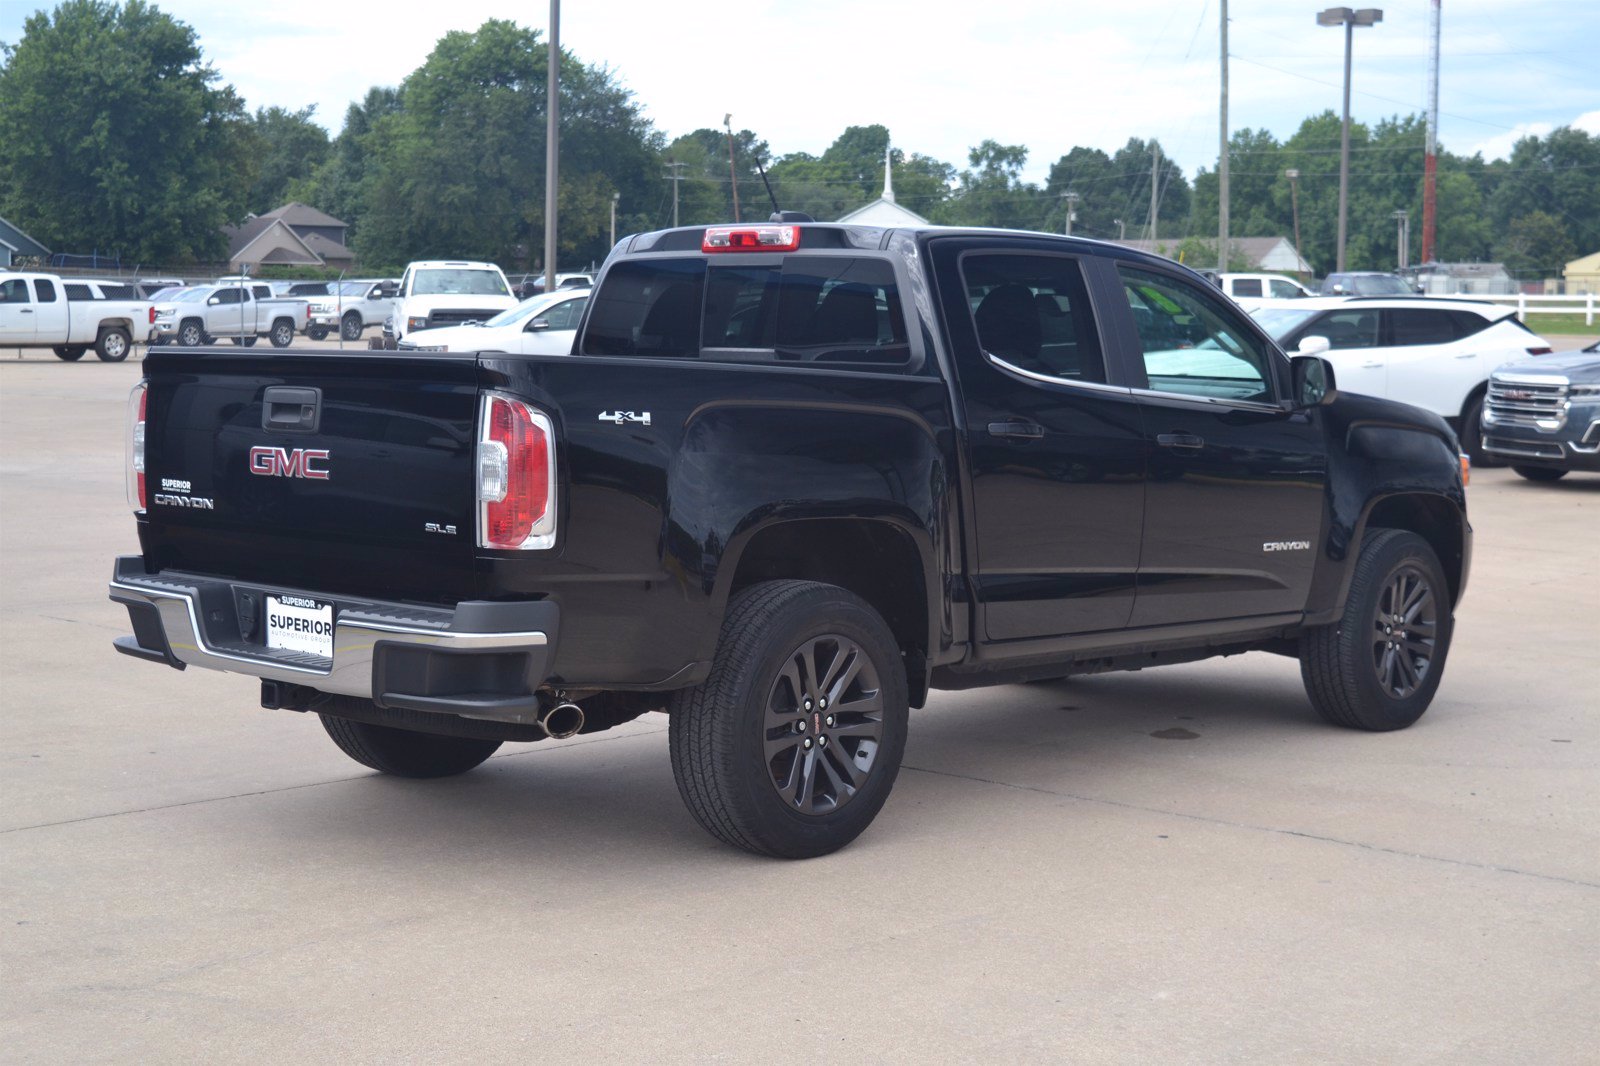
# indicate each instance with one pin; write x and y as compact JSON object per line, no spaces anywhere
{"x":152,"y":314}
{"x":516,"y":475}
{"x":136,"y":431}
{"x":1541,"y":351}
{"x":751,"y":239}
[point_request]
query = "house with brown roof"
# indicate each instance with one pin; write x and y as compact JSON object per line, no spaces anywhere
{"x":293,"y":235}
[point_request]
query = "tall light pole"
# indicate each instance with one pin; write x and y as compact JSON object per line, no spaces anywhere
{"x":733,"y":178}
{"x":1403,"y":238}
{"x":614,"y":198}
{"x":1430,"y":157}
{"x":1072,"y":203}
{"x":1294,"y":200}
{"x":1349,"y":19}
{"x":552,"y":144}
{"x":1222,"y":157}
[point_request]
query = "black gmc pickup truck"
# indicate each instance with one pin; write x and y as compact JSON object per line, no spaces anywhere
{"x":792,"y":477}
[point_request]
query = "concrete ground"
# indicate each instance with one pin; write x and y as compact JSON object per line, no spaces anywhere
{"x":1180,"y":865}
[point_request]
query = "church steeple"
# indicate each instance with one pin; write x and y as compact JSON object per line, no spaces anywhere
{"x":888,"y":174}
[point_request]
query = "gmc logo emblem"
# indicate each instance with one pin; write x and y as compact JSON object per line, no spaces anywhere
{"x":277,"y":462}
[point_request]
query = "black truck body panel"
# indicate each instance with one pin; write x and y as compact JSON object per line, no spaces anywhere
{"x":1005,"y":522}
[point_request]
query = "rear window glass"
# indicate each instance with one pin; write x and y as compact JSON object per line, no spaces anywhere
{"x":800,"y":308}
{"x":117,"y":292}
{"x":1417,"y":325}
{"x":78,"y":292}
{"x":1468,"y":322}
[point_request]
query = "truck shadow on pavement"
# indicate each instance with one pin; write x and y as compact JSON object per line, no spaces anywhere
{"x":613,"y":794}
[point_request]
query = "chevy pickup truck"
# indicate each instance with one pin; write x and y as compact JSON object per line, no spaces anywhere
{"x":436,"y":293}
{"x":239,"y":311}
{"x":70,"y":316}
{"x":791,"y":478}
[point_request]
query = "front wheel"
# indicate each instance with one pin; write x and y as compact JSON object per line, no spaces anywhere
{"x":1540,"y":473}
{"x":71,"y":354}
{"x":1471,"y":435}
{"x":317,"y":333}
{"x":404,"y":752}
{"x":190,"y":335}
{"x":282,"y":334}
{"x":350,"y":327}
{"x":792,"y":744}
{"x":1378,"y":667}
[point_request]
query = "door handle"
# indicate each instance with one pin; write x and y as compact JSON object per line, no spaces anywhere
{"x":1180,"y":440}
{"x":1467,"y":355}
{"x":26,"y":311}
{"x":1374,"y":365}
{"x":291,"y":410}
{"x":1024,"y":430}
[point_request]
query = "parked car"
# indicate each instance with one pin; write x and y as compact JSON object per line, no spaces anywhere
{"x":797,"y":476}
{"x":238,"y":311}
{"x":446,"y":293}
{"x":543,"y":325}
{"x":69,"y":316}
{"x":1365,"y":283}
{"x":526,"y":285}
{"x":1250,"y":290}
{"x":1434,"y":353}
{"x":350,"y":307}
{"x":1543,"y":415}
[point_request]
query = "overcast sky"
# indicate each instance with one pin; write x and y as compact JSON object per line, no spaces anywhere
{"x":944,"y":75}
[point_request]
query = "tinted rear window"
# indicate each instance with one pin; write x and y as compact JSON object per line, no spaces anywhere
{"x":1247,"y":286}
{"x":821,"y":309}
{"x":1418,"y":325}
{"x":78,"y":292}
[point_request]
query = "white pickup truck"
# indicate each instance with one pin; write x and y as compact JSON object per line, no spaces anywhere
{"x":435,"y":293}
{"x":239,"y":311}
{"x":69,"y":316}
{"x":350,"y":307}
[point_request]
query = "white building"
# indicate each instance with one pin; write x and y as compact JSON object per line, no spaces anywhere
{"x":884,"y":211}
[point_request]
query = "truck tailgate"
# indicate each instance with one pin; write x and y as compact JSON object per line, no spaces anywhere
{"x":344,"y":472}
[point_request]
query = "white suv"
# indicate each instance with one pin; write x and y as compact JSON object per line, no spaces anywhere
{"x":1436,"y":354}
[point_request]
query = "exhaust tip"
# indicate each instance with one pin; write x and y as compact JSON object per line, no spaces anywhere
{"x":562,"y":721}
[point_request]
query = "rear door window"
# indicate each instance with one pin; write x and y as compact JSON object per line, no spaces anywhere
{"x":800,"y":308}
{"x":44,"y":290}
{"x":1283,"y":290}
{"x":1032,"y":313}
{"x":1410,"y":326}
{"x":1467,"y":323}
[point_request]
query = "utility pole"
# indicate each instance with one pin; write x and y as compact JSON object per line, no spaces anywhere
{"x":733,"y":177}
{"x":1155,"y":189}
{"x":552,"y":146}
{"x":1294,"y":200}
{"x":675,"y":177}
{"x":1430,"y":157}
{"x":1344,"y":16}
{"x":1403,"y":238}
{"x":614,"y":198}
{"x":1222,"y":157}
{"x":1072,"y":203}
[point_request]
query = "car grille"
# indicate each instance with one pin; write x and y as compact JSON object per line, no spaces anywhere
{"x":455,"y":317}
{"x":1535,"y":403}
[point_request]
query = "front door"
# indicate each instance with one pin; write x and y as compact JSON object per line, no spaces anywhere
{"x":17,"y":313}
{"x":1234,"y":497}
{"x":1428,"y":366}
{"x":1057,"y":473}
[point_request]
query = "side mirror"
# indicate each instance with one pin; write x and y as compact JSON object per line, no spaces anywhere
{"x":1338,"y":290}
{"x":214,"y":301}
{"x":1313,"y":345}
{"x":1314,"y":383}
{"x":537,"y":325}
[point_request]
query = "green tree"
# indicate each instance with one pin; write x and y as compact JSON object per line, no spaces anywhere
{"x":991,"y":191}
{"x":288,"y":147}
{"x":1536,"y":245}
{"x":115,"y":134}
{"x":1558,"y":174}
{"x":458,"y":169}
{"x":336,"y":185}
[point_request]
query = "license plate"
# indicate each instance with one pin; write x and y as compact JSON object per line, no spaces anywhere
{"x":295,"y":623}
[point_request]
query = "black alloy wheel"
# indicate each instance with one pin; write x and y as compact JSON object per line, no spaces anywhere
{"x":824,"y":724}
{"x":1404,"y":628}
{"x":317,"y":333}
{"x":70,"y":353}
{"x":350,"y":327}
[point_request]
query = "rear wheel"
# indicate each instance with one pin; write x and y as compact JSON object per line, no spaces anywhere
{"x":244,"y":342}
{"x":113,"y":344}
{"x":1540,"y":473}
{"x":404,"y":752}
{"x":1378,"y":667}
{"x":282,"y":333}
{"x":792,"y":744}
{"x":70,"y":354}
{"x":350,"y":327}
{"x":317,"y":333}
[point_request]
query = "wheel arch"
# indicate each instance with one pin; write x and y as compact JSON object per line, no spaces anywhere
{"x":877,"y":559}
{"x":1434,"y":517}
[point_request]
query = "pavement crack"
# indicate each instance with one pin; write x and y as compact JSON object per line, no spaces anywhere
{"x":1279,"y":830}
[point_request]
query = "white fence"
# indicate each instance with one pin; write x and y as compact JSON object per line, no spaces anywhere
{"x":1582,"y":303}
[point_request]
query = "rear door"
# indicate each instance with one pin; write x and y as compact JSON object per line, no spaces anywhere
{"x":1056,"y":464}
{"x":51,"y":313}
{"x":348,"y":472}
{"x":1429,"y":364}
{"x":1356,"y":347}
{"x":1234,"y":495}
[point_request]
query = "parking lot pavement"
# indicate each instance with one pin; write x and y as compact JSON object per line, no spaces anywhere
{"x":1174,"y":865}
